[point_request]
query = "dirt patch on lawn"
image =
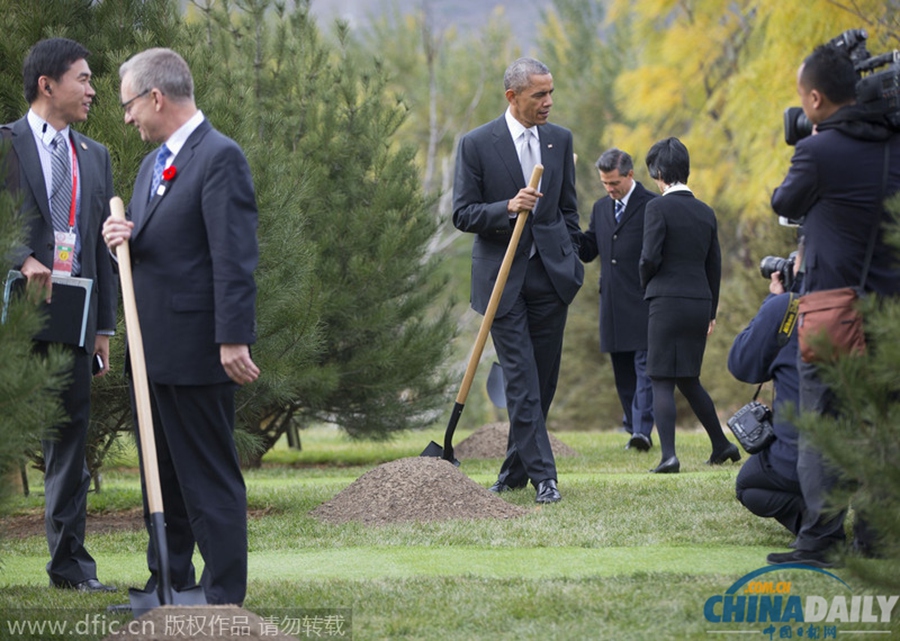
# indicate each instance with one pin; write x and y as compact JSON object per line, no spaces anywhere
{"x":490,"y":442}
{"x":219,"y":622}
{"x":21,"y":526}
{"x":414,"y":489}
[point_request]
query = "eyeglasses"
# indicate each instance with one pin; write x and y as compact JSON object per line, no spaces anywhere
{"x":127,"y":104}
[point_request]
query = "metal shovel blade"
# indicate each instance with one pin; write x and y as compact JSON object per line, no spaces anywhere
{"x":433,"y":449}
{"x":446,"y":452}
{"x":496,"y":386}
{"x":142,"y":601}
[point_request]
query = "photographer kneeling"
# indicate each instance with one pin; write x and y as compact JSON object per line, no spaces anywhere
{"x":766,"y":350}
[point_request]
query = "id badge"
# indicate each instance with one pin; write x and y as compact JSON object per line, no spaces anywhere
{"x":64,"y":253}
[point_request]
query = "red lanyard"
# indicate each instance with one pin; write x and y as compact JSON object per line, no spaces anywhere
{"x":74,"y":186}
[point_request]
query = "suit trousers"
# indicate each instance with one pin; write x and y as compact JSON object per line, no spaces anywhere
{"x":822,"y":527}
{"x":634,"y":389}
{"x":528,"y":340}
{"x":203,"y":491}
{"x":765,"y":492}
{"x":66,"y":477}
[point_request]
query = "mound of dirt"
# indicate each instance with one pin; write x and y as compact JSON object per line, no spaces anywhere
{"x":490,"y":442}
{"x":414,"y":489}
{"x":206,"y":622}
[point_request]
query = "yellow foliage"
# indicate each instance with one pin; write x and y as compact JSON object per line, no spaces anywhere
{"x":719,"y":76}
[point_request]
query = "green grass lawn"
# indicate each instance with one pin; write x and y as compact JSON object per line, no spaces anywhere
{"x":624,"y":555}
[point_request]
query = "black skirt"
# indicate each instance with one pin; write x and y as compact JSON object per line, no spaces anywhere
{"x":676,"y":336}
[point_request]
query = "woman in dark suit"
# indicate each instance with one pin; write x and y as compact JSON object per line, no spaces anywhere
{"x":680,"y":270}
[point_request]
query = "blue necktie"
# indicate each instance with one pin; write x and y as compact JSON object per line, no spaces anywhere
{"x":158,"y":168}
{"x":620,"y":207}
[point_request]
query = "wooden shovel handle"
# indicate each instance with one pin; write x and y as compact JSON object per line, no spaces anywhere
{"x":496,"y":293}
{"x":138,"y":368}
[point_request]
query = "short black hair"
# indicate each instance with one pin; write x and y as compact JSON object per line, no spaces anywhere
{"x":613,"y":159}
{"x":52,"y":57}
{"x":830,"y":71}
{"x":669,"y":161}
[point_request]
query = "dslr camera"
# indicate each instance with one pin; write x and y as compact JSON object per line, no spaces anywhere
{"x":878,"y":92}
{"x":784,"y":267}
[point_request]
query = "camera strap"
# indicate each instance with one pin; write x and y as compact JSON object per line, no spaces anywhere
{"x":870,"y":248}
{"x":789,"y":321}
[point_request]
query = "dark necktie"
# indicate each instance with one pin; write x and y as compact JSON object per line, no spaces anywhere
{"x":620,"y":207}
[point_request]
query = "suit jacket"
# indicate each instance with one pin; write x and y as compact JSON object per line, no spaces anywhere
{"x":193,"y":251}
{"x":681,"y":255}
{"x":96,"y":186}
{"x":623,"y":310}
{"x":488,"y":175}
{"x":835,"y":182}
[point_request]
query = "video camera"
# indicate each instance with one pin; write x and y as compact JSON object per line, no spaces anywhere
{"x":784,"y":267}
{"x":877,"y":92}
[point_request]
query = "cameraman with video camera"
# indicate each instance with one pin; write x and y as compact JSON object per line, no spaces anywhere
{"x":766,"y":350}
{"x":837,"y":182}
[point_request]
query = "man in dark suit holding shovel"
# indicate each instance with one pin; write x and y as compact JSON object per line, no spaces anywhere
{"x":192,"y":232}
{"x":493,"y":165}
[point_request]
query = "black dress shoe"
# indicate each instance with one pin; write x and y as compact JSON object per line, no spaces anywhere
{"x":500,"y":486}
{"x":803,"y":557}
{"x":547,"y":492}
{"x":88,"y":585}
{"x":639,"y":442}
{"x":730,"y":452}
{"x":669,"y":466}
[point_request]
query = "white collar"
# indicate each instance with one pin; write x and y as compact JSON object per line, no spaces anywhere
{"x":516,"y":128}
{"x":625,"y":198}
{"x":676,"y":187}
{"x":43,"y":130}
{"x":176,"y":141}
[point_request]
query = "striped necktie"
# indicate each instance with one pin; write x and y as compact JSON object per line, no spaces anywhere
{"x":61,"y":195}
{"x":61,"y":184}
{"x":620,"y":207}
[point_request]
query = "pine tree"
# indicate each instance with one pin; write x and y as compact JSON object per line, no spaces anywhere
{"x":29,"y":403}
{"x":347,"y":330}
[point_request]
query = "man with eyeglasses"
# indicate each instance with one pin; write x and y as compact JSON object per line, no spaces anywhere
{"x":191,"y":226}
{"x":65,"y":182}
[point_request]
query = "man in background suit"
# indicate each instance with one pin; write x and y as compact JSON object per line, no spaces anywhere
{"x":192,"y":229}
{"x":493,"y":166}
{"x":57,"y":82}
{"x":616,"y":234}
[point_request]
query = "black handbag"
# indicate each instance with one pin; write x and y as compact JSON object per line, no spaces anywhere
{"x":752,"y":425}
